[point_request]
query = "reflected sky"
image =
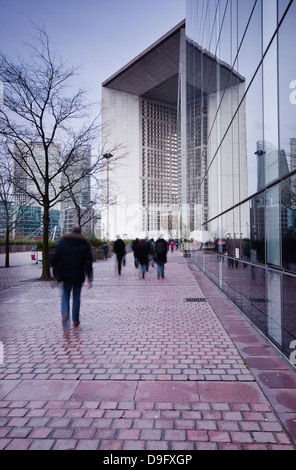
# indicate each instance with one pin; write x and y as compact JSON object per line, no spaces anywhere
{"x":246,"y":31}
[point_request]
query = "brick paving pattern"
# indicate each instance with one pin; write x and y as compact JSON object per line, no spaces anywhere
{"x":155,"y":364}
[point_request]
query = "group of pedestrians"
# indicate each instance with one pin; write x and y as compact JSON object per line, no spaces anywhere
{"x":72,"y":264}
{"x":148,"y":251}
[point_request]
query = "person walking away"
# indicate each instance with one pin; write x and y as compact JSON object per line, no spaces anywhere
{"x":160,"y":256}
{"x":172,"y":245}
{"x":152,"y":252}
{"x":105,"y":250}
{"x":72,"y":264}
{"x":135,"y":248}
{"x":120,"y":251}
{"x":143,"y":253}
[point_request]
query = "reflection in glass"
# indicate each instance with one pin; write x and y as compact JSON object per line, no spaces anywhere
{"x":259,"y":298}
{"x":282,"y":5}
{"x":241,"y":97}
{"x":254,"y":133}
{"x":249,"y":38}
{"x":272,"y":221}
{"x":287,"y":90}
{"x":270,"y":144}
{"x":269,"y":15}
{"x":257,"y":229}
{"x":289,"y":312}
{"x":274,"y":318}
{"x":246,"y":289}
{"x":288,"y":221}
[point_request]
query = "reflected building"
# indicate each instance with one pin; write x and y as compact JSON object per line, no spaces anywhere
{"x":258,"y":136}
{"x":207,"y":114}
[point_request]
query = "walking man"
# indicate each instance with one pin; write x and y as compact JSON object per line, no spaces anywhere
{"x":120,"y":251}
{"x":71,"y":265}
{"x":143,"y":253}
{"x":160,"y":256}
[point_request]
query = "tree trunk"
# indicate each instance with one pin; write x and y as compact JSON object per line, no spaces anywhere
{"x":45,"y":251}
{"x":7,"y":248}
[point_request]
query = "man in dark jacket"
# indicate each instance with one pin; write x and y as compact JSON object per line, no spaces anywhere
{"x":72,"y":263}
{"x":160,"y":256}
{"x":143,"y":251}
{"x":120,"y":251}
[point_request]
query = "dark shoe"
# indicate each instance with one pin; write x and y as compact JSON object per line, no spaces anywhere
{"x":76,"y":323}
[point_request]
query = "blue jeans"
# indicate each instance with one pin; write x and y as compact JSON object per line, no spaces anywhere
{"x":160,"y":270}
{"x":67,"y":288}
{"x":143,"y":269}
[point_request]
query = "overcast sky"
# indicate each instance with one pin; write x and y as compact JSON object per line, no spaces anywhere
{"x":100,"y":35}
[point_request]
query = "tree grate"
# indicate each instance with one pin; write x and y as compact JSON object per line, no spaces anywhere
{"x":195,"y":299}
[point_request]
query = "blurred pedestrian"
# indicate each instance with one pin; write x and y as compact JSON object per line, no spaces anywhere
{"x":105,"y":250}
{"x":161,"y":248}
{"x":172,"y":245}
{"x":135,"y":248}
{"x":120,"y":251}
{"x":143,"y":253}
{"x":72,"y":263}
{"x":152,"y":251}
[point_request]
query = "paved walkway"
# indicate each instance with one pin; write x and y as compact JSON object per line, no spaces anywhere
{"x":165,"y":364}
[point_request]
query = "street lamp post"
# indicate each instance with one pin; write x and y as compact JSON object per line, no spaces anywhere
{"x":107,"y":156}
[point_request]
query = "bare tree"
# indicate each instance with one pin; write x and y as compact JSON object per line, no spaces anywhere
{"x":85,"y":206}
{"x":47,"y":129}
{"x":10,"y":213}
{"x":80,"y":202}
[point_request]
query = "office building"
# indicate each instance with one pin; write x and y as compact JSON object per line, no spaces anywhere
{"x":77,"y":207}
{"x":207,"y":114}
{"x":150,"y":106}
{"x":140,"y":104}
{"x":256,"y":267}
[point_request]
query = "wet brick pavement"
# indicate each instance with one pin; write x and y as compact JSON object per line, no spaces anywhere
{"x":165,"y":364}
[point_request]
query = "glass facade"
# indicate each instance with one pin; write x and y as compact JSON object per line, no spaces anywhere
{"x":30,"y":222}
{"x":241,"y":155}
{"x":208,"y":112}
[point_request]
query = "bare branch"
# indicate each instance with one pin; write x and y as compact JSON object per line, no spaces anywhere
{"x":48,"y":130}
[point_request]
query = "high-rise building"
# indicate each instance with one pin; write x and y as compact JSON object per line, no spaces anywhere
{"x":77,"y":207}
{"x":140,"y":104}
{"x":158,"y":107}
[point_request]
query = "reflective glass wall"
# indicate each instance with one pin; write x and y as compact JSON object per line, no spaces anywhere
{"x":241,"y":152}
